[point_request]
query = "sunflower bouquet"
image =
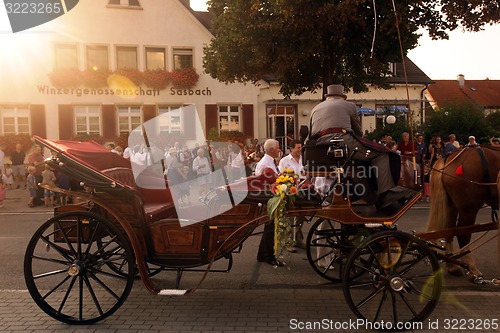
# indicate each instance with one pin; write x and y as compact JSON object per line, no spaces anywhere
{"x":285,"y":190}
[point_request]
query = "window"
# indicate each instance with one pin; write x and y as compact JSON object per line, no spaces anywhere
{"x":97,"y":57}
{"x":15,"y":120}
{"x":183,"y":58}
{"x":170,"y":119}
{"x":130,"y":3}
{"x":129,"y":118}
{"x":126,"y":57}
{"x":281,"y":123}
{"x":229,"y":118}
{"x":392,"y":69}
{"x":155,"y":58}
{"x":87,"y":119}
{"x":66,"y":56}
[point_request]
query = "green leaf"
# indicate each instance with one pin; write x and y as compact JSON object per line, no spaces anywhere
{"x":272,"y":205}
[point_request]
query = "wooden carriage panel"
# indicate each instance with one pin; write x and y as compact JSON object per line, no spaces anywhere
{"x":170,"y":238}
{"x":226,"y":223}
{"x":225,"y":214}
{"x":218,"y":235}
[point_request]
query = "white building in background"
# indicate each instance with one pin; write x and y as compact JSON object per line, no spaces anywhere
{"x":146,"y":35}
{"x":112,"y":35}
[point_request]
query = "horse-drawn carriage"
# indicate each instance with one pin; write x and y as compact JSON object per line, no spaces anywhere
{"x":80,"y":265}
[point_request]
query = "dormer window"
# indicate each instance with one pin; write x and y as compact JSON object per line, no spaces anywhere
{"x":125,"y":3}
{"x":392,"y":69}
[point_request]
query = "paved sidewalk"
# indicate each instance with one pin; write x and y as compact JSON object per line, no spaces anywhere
{"x":16,"y":201}
{"x":255,"y":310}
{"x":251,"y":298}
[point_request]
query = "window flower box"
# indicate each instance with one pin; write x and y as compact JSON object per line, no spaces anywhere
{"x":184,"y":78}
{"x":156,"y":79}
{"x":65,"y":78}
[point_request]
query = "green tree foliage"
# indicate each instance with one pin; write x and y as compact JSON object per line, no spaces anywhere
{"x":395,"y":130}
{"x":462,"y":120}
{"x":493,"y":121}
{"x":306,"y":44}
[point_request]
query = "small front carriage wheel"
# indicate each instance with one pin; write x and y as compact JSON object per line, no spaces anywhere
{"x":67,"y":267}
{"x":401,"y":283}
{"x":329,"y":244}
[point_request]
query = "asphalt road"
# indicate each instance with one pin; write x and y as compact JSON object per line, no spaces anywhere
{"x":17,"y":228}
{"x":252,"y":297}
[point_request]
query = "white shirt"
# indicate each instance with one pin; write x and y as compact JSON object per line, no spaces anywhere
{"x":201,"y":161}
{"x":2,"y":155}
{"x":127,"y":152}
{"x":289,"y":162}
{"x":266,"y":162}
{"x":138,"y":158}
{"x":236,"y":160}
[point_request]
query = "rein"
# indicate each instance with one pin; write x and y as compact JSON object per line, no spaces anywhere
{"x":457,"y":177}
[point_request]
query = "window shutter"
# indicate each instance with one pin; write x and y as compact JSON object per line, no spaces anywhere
{"x":211,"y":118}
{"x":108,"y":114}
{"x":66,"y":122}
{"x":37,"y":116}
{"x":247,"y":120}
{"x":189,"y":123}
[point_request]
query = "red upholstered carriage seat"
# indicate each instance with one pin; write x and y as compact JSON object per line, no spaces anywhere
{"x":158,"y":203}
{"x":255,"y":183}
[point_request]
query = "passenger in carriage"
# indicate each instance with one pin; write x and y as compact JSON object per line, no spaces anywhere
{"x":266,"y":248}
{"x":336,"y":117}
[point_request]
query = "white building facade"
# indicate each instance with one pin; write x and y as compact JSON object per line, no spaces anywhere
{"x":113,"y":36}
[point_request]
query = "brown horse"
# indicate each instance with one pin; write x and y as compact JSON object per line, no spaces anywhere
{"x":461,"y":184}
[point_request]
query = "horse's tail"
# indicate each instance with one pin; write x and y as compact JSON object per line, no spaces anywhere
{"x":441,"y":215}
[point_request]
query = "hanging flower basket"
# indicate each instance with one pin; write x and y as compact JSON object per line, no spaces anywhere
{"x":134,"y":75}
{"x":65,"y":78}
{"x":184,"y":78}
{"x":156,"y":79}
{"x":95,"y":78}
{"x":84,"y":137}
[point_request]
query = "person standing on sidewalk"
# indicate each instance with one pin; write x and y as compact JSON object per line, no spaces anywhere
{"x":266,"y":246}
{"x":18,"y":168}
{"x":2,"y":155}
{"x":36,"y":160}
{"x":3,"y":180}
{"x":48,"y":178}
{"x":31,"y":185}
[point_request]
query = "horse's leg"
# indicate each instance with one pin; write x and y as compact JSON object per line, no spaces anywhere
{"x":467,"y":217}
{"x":451,"y":220}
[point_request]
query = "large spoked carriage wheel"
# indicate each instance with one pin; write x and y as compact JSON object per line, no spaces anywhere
{"x":402,"y":280}
{"x":329,"y":244}
{"x":67,"y":267}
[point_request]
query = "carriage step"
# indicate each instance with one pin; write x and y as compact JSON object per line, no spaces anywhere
{"x":172,"y":292}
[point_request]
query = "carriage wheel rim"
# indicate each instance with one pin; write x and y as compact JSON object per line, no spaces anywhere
{"x":398,"y":292}
{"x":84,"y":283}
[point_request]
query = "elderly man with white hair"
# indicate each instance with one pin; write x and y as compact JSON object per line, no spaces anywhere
{"x":272,"y":151}
{"x":266,"y":248}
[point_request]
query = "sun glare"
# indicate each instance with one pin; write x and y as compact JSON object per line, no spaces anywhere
{"x":23,"y":52}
